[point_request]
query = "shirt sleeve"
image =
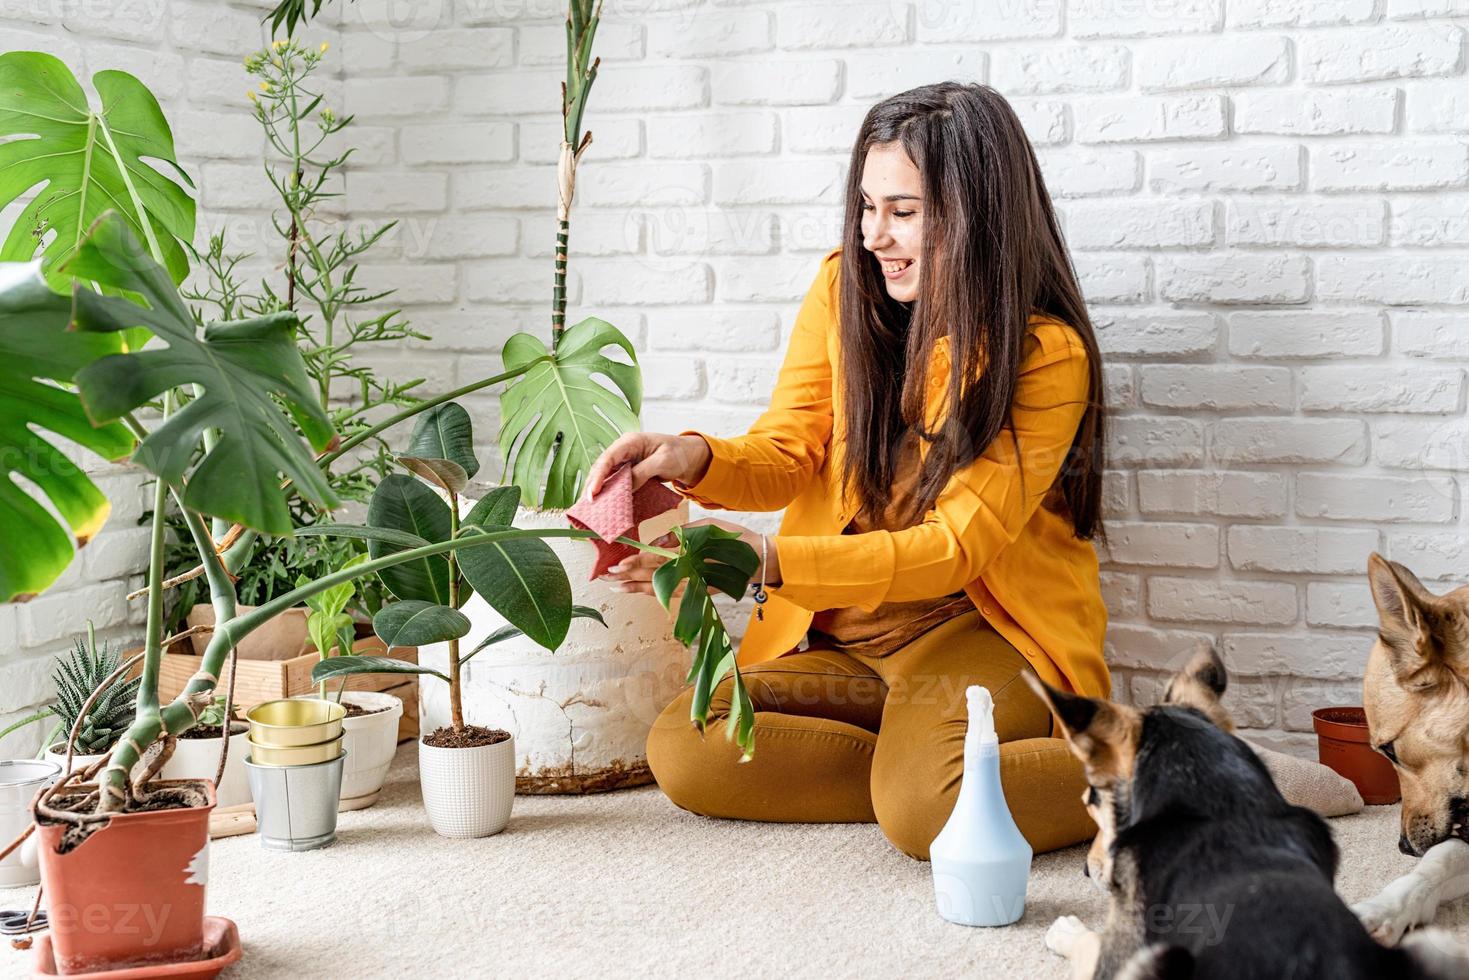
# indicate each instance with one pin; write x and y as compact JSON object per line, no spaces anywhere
{"x":766,"y":468}
{"x":981,"y":510}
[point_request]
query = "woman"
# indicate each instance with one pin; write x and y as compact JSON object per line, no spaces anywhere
{"x":935,"y":438}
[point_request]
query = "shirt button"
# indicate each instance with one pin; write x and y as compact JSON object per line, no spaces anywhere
{"x":986,"y":610}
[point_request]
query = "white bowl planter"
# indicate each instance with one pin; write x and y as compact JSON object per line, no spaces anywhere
{"x":580,"y":715}
{"x":198,"y":758}
{"x":193,"y":758}
{"x":369,"y":742}
{"x":468,"y":792}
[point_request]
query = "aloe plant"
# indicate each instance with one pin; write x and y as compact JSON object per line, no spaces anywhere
{"x":77,"y":677}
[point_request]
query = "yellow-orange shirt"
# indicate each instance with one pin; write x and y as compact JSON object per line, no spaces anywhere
{"x":1018,"y":560}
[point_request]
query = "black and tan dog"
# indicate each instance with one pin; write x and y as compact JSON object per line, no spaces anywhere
{"x":1211,"y":873}
{"x":1416,"y":692}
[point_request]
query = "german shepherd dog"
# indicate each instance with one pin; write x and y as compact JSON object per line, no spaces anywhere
{"x":1416,"y":692}
{"x":1211,"y":873}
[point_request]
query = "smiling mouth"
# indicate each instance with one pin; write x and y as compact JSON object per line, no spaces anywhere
{"x":894,"y":267}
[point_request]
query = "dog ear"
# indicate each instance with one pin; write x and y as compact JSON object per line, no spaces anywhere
{"x":1200,"y":685}
{"x":1102,"y":734}
{"x":1420,"y":639}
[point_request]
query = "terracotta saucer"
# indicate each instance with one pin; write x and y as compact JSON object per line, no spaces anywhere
{"x":221,"y":947}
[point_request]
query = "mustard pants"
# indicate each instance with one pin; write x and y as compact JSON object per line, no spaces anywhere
{"x":852,"y":739}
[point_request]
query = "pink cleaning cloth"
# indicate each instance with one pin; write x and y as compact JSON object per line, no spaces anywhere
{"x":617,"y":511}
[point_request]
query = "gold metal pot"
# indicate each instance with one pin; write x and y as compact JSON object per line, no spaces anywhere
{"x":295,"y":755}
{"x":295,"y":721}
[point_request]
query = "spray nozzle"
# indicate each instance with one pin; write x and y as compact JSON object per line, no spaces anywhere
{"x":981,"y":714}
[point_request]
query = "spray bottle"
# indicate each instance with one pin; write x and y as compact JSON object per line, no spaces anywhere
{"x":981,"y":862}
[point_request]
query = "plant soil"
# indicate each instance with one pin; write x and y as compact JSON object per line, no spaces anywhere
{"x":213,"y":731}
{"x":473,"y":736}
{"x":167,"y":798}
{"x":357,"y":710}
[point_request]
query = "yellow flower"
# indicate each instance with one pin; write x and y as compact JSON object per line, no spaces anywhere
{"x":265,"y":86}
{"x":277,"y":45}
{"x":252,"y":96}
{"x":324,"y":46}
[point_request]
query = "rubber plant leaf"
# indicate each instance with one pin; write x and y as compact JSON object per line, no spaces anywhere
{"x":413,"y":623}
{"x":402,"y":504}
{"x":523,"y":581}
{"x":441,"y":449}
{"x":496,"y":507}
{"x":710,"y":558}
{"x":346,"y":666}
{"x":39,"y":416}
{"x":507,"y":632}
{"x":81,"y":162}
{"x":247,"y":371}
{"x":558,"y":416}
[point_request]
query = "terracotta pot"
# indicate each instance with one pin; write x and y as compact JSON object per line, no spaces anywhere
{"x":132,"y":894}
{"x":1344,"y":745}
{"x":283,"y":637}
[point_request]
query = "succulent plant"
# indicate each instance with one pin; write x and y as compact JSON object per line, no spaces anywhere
{"x":77,"y":676}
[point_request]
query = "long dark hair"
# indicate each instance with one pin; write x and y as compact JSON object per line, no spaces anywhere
{"x":992,"y":256}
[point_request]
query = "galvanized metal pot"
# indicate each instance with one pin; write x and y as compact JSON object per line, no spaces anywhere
{"x":20,"y":780}
{"x":296,"y":806}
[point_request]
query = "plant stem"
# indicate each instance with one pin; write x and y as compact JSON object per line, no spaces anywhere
{"x":456,"y":701}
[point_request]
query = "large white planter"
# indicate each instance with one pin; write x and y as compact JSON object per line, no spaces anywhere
{"x":198,"y":758}
{"x":468,"y":792}
{"x":369,"y":742}
{"x":580,"y":715}
{"x":193,"y":758}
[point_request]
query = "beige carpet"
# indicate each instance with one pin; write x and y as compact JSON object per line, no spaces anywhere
{"x":628,"y":885}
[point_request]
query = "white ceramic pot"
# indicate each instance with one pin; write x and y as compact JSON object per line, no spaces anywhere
{"x":369,"y":742}
{"x":56,"y":752}
{"x":20,"y":780}
{"x":581,"y":714}
{"x":198,"y":758}
{"x":468,"y":792}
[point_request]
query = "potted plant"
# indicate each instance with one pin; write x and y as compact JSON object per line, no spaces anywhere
{"x":370,"y":726}
{"x":98,"y":721}
{"x":197,"y":754}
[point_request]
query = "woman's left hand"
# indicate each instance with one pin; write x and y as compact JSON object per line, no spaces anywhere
{"x":635,"y":573}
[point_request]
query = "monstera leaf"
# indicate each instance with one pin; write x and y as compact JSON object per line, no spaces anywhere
{"x":710,"y":558}
{"x":85,"y":162}
{"x":39,"y":357}
{"x":557,"y":417}
{"x":246,"y":369}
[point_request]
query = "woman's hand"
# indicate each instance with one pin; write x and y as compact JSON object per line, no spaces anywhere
{"x":635,"y":573}
{"x":655,"y":456}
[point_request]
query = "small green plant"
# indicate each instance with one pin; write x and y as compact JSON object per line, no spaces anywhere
{"x":77,"y":676}
{"x":214,"y":713}
{"x":330,"y":627}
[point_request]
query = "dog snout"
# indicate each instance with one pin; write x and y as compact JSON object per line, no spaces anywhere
{"x":1406,"y":846}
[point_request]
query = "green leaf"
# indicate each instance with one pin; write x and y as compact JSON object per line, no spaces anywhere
{"x":38,"y":357}
{"x":507,"y":632}
{"x":413,"y":623}
{"x":496,"y":507}
{"x":52,"y":139}
{"x":346,"y":666}
{"x":334,"y":600}
{"x":523,"y":581}
{"x":400,"y":540}
{"x":558,"y":417}
{"x":441,"y":449}
{"x":247,"y":369}
{"x":330,"y":632}
{"x":710,"y":558}
{"x":402,"y":504}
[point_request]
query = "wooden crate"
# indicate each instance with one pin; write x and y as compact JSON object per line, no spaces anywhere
{"x":268,"y":680}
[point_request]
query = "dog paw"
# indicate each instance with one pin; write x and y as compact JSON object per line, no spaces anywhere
{"x":1064,"y":935}
{"x":1387,"y":919}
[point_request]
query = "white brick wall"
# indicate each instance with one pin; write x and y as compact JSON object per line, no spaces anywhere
{"x":1267,"y":202}
{"x":189,"y":53}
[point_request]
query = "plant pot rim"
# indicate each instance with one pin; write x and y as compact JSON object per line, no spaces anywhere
{"x":510,"y":740}
{"x":6,"y":783}
{"x":309,"y":765}
{"x":221,"y":948}
{"x":1345,"y":722}
{"x":237,"y":728}
{"x":172,"y":814}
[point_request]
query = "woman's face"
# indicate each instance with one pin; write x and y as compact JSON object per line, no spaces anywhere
{"x":892,"y":217}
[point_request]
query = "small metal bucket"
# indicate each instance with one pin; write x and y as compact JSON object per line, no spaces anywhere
{"x":19,"y":781}
{"x":296,"y":806}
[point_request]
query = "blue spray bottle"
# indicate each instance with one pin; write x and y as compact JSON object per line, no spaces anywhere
{"x":981,"y":862}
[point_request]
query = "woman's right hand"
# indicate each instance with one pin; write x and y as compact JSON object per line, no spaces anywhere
{"x":655,"y":456}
